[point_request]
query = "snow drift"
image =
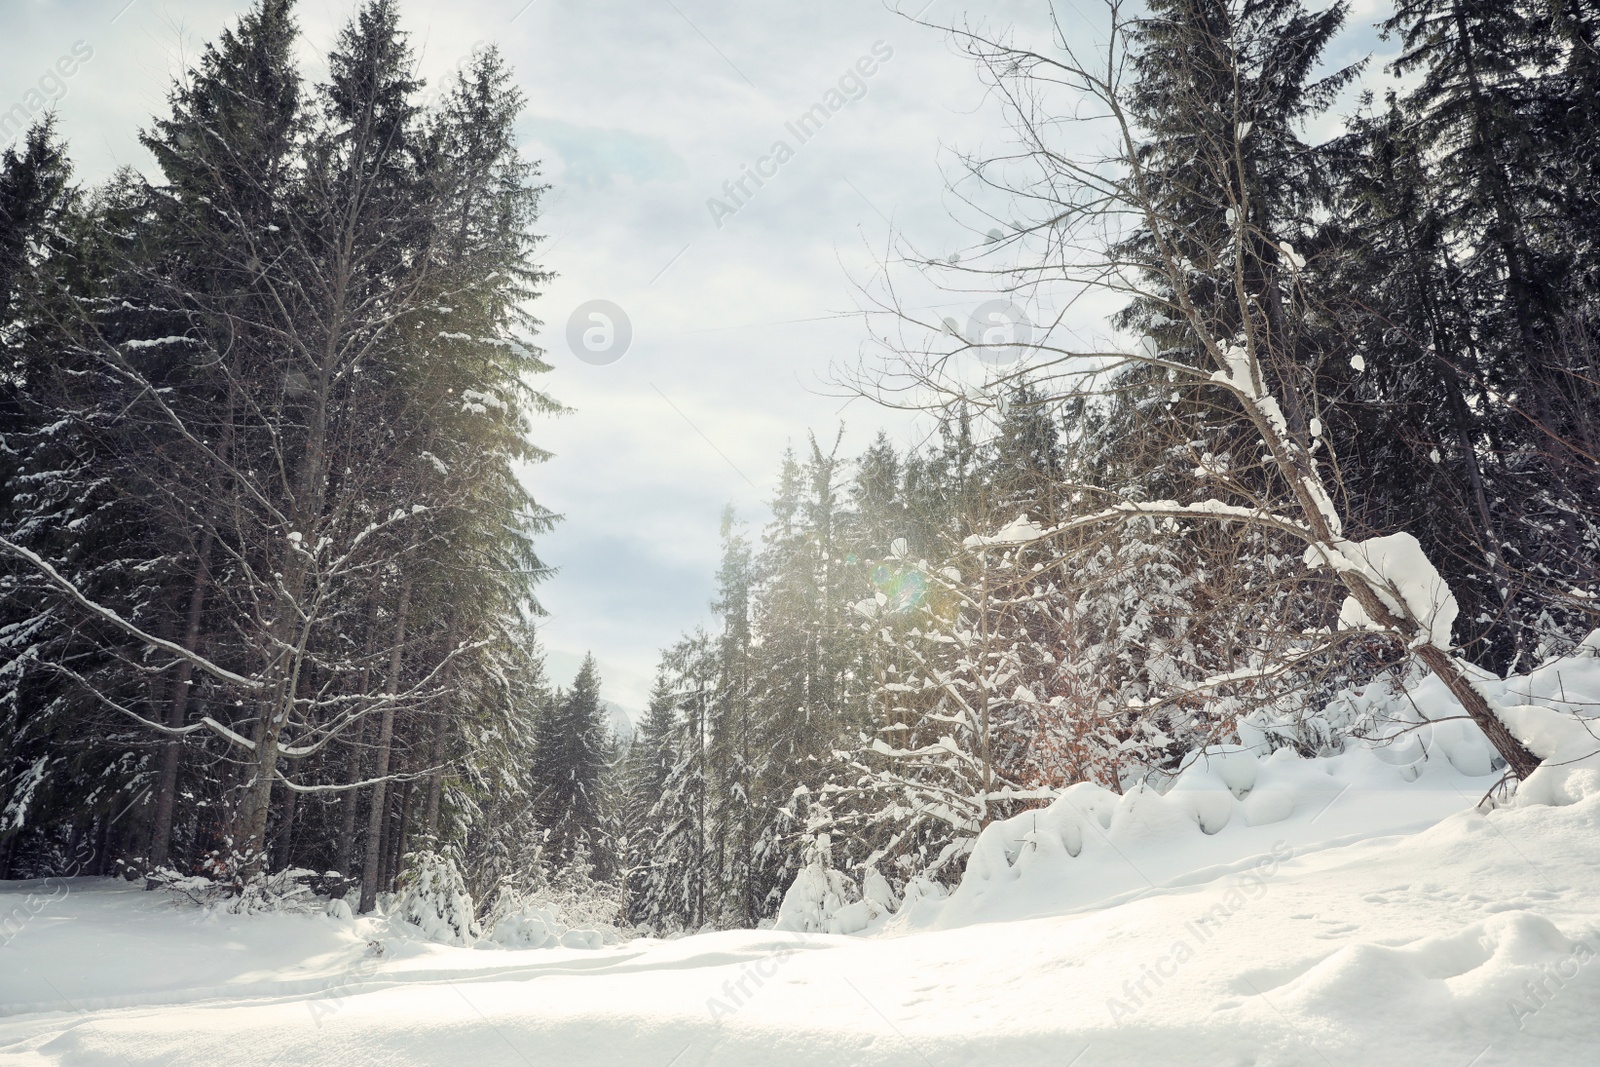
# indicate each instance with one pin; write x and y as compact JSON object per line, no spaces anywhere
{"x":1230,"y":805}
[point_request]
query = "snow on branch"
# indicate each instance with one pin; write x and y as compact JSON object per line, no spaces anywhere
{"x":1022,"y":531}
{"x":62,"y":583}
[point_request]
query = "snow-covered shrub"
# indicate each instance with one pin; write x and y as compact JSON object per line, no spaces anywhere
{"x":826,"y":901}
{"x":433,"y":898}
{"x":817,"y":895}
{"x":293,"y":889}
{"x":876,"y":888}
{"x":517,"y":923}
{"x":920,"y":903}
{"x":569,"y":909}
{"x":520,"y":921}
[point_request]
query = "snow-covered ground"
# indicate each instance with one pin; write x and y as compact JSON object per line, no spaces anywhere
{"x":1355,"y":908}
{"x":1469,"y":943}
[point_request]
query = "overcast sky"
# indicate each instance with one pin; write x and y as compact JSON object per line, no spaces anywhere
{"x":640,"y":111}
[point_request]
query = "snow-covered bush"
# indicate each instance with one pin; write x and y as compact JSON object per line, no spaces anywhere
{"x":293,"y":889}
{"x":520,"y":921}
{"x":569,"y":909}
{"x":826,"y":901}
{"x":433,"y":898}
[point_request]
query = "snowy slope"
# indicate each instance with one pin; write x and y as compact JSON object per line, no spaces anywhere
{"x":1354,"y":908}
{"x":1469,"y":939}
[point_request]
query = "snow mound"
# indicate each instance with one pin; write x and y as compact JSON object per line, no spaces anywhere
{"x":1490,"y":966}
{"x":1422,"y":762}
{"x":1227,"y":807}
{"x":1568,"y":745}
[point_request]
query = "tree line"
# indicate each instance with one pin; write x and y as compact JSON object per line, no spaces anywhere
{"x":268,"y":561}
{"x":1340,"y":351}
{"x":268,"y":567}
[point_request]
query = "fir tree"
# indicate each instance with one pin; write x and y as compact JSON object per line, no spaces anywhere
{"x":571,"y":755}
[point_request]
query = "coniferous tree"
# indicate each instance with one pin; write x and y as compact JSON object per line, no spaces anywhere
{"x":571,"y":755}
{"x":682,"y":885}
{"x":731,"y":729}
{"x":290,"y":386}
{"x":647,"y":768}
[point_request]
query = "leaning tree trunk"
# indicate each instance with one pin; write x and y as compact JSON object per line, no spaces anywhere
{"x":1315,"y":505}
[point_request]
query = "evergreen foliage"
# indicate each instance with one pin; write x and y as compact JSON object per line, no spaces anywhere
{"x":267,"y":590}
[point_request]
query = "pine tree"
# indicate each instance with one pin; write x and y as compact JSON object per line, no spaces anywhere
{"x":648,"y":767}
{"x":1223,"y":89}
{"x":681,"y":885}
{"x":809,"y":682}
{"x":1475,"y":58}
{"x":313,"y":336}
{"x":54,"y":501}
{"x":731,"y":754}
{"x":571,"y":756}
{"x":1459,"y":217}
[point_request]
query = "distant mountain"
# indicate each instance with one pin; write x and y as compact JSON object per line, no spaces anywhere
{"x":620,"y":720}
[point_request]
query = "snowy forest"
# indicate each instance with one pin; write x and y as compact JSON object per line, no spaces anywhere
{"x":269,"y":419}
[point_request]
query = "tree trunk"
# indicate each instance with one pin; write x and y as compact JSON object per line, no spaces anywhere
{"x":167,"y":781}
{"x":289,"y":630}
{"x":268,"y":734}
{"x":369,"y":871}
{"x":102,"y":835}
{"x":430,"y":819}
{"x":350,"y":802}
{"x":385,"y":828}
{"x":402,"y":830}
{"x":286,"y":826}
{"x":1306,"y":484}
{"x":1515,"y":753}
{"x":346,"y":848}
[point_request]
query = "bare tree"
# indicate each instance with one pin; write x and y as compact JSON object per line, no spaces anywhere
{"x":1120,"y":222}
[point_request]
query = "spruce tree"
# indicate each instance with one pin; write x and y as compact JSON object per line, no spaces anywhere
{"x":291,"y":384}
{"x":648,"y":766}
{"x":731,"y":727}
{"x":682,"y":883}
{"x":571,"y":755}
